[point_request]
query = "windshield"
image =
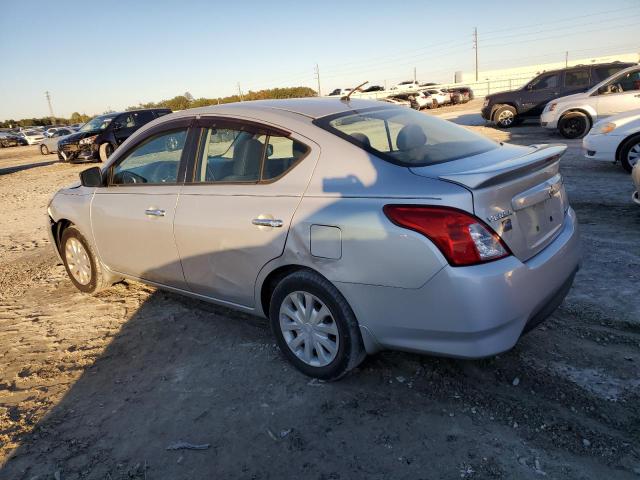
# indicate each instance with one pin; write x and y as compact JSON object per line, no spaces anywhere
{"x":98,"y":123}
{"x":406,"y":137}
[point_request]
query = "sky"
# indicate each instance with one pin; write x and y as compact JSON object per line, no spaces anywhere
{"x":95,"y":56}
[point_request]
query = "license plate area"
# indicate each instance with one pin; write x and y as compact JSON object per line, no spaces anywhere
{"x":541,"y":220}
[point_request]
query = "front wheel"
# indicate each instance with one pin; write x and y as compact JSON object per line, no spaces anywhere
{"x":44,"y":150}
{"x":81,"y":262}
{"x":574,"y":125}
{"x":314,"y":326}
{"x":630,"y":153}
{"x":505,"y":116}
{"x":106,"y":149}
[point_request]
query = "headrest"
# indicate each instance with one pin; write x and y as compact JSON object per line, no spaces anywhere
{"x":410,"y":137}
{"x":362,"y":138}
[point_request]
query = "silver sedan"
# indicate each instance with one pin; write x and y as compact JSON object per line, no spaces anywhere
{"x":353,"y":226}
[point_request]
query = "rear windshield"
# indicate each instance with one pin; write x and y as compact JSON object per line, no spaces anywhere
{"x":405,"y":136}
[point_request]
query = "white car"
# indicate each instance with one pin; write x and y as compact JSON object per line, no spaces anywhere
{"x":616,"y":139}
{"x":438,"y":97}
{"x":407,"y":85}
{"x":574,"y":115}
{"x":32,"y":137}
{"x":340,"y":91}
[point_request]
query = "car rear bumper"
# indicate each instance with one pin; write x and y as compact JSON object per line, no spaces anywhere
{"x":470,"y":312}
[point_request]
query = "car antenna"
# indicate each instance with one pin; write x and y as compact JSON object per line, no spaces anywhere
{"x":347,"y":97}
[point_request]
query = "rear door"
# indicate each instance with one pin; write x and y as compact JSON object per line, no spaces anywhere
{"x":234,"y":212}
{"x":576,"y":80}
{"x":538,"y":93}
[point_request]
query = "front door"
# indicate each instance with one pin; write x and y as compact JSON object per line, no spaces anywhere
{"x":234,"y":214}
{"x":132,"y":217}
{"x":620,"y":94}
{"x":535,"y":95}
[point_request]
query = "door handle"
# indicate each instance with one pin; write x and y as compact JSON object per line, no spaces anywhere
{"x":154,"y":212}
{"x":267,"y":222}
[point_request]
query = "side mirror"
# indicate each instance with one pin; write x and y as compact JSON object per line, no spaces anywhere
{"x":603,"y":89}
{"x":269,"y":150}
{"x":529,"y":86}
{"x":91,"y":177}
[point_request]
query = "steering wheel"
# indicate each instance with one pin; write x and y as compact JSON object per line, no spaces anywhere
{"x":127,"y":176}
{"x":164,"y":172}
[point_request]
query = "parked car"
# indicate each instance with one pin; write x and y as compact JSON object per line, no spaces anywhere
{"x":50,"y":143}
{"x":417,"y":100}
{"x":340,"y":91}
{"x":100,"y":136}
{"x":509,"y":108}
{"x":465,"y":92}
{"x":373,"y":88}
{"x":406,"y":85}
{"x":615,"y":139}
{"x":573,"y":115}
{"x":32,"y":137}
{"x":431,"y":238}
{"x":11,"y":140}
{"x":438,"y":97}
{"x":635,"y":175}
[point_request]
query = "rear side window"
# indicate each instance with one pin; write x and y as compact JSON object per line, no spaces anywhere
{"x":406,"y":137}
{"x":230,"y":155}
{"x":576,"y":78}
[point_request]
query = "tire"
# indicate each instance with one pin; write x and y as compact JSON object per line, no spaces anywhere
{"x":574,"y":125}
{"x":338,"y":326}
{"x":630,"y":153}
{"x":106,"y":149}
{"x":44,"y":150}
{"x":74,"y":246}
{"x":505,"y":116}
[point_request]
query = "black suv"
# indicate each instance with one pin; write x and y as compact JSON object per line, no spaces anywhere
{"x":100,"y":136}
{"x":510,"y":108}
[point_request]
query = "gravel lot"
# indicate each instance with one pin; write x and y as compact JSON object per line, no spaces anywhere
{"x":100,"y":386}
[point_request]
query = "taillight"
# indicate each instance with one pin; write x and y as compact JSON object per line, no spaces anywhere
{"x":462,"y":238}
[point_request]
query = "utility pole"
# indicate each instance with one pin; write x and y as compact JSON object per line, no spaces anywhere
{"x":566,"y":59}
{"x":318,"y":78}
{"x":475,"y":46}
{"x":240,"y":92}
{"x":48,"y":97}
{"x":414,"y":75}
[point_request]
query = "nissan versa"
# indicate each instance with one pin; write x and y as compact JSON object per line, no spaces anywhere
{"x":354,"y":226}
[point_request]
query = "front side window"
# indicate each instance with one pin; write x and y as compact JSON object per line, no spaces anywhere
{"x":406,"y":137}
{"x":545,"y":81}
{"x":98,"y":123}
{"x":155,"y":161}
{"x":229,"y":155}
{"x":605,"y":72}
{"x":627,"y":82}
{"x":576,"y":78}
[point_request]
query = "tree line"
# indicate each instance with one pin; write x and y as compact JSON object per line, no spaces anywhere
{"x":179,"y":102}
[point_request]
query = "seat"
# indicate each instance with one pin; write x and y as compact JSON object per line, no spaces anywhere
{"x":411,"y":137}
{"x":362,"y":138}
{"x":247,"y":156}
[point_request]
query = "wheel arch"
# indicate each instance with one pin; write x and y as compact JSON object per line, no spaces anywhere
{"x":623,"y":143}
{"x":271,"y":280}
{"x":57,"y":228}
{"x":592,"y":116}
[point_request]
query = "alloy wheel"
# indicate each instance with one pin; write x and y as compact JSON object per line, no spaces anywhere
{"x":505,"y":118}
{"x":309,"y":329}
{"x":78,"y":261}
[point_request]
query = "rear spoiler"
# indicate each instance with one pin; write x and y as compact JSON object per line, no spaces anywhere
{"x":500,"y":172}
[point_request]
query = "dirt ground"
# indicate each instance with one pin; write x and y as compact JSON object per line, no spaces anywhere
{"x":104,"y":386}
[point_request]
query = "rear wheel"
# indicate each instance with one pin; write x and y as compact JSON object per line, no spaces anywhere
{"x":44,"y":150}
{"x":630,"y":153}
{"x":106,"y":149}
{"x":81,"y":262}
{"x":505,"y":116}
{"x":574,"y":125}
{"x":315,"y":327}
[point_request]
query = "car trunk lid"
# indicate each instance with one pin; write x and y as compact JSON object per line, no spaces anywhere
{"x":517,"y":190}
